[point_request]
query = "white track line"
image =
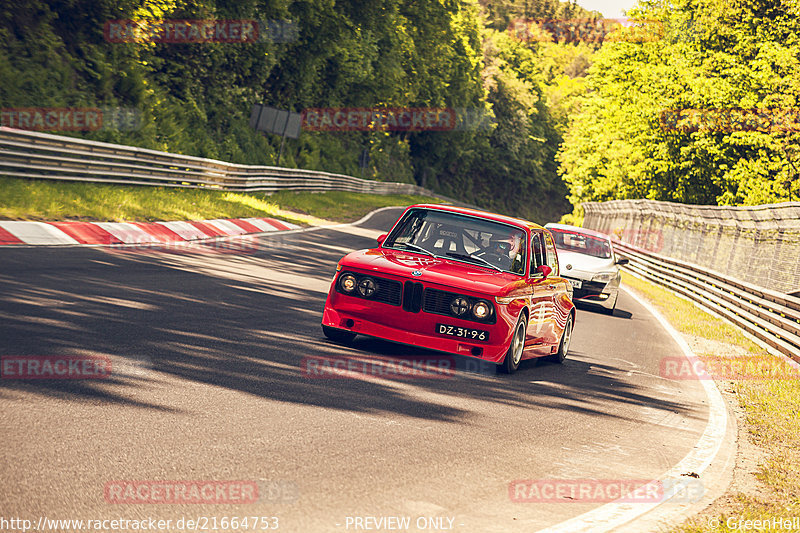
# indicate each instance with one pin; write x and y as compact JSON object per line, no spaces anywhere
{"x":613,"y":515}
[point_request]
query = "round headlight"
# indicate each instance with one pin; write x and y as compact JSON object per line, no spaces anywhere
{"x":481,"y":310}
{"x":459,"y":306}
{"x":347,"y":282}
{"x":367,"y":287}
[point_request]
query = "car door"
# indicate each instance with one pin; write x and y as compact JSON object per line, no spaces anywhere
{"x":558,"y":289}
{"x":540,"y":330}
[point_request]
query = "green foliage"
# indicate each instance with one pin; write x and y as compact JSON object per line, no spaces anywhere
{"x":715,"y":54}
{"x":195,"y":98}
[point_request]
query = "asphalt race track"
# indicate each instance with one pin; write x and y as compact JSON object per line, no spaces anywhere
{"x":207,"y":350}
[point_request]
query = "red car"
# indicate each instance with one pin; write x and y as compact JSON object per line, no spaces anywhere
{"x":460,"y":281}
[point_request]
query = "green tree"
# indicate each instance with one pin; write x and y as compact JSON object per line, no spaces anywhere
{"x":714,"y":55}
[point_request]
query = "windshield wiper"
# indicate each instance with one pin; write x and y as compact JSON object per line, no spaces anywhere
{"x":475,"y":257}
{"x":416,"y":248}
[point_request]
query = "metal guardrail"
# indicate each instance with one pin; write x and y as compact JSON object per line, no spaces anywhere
{"x":28,"y":154}
{"x":768,"y":315}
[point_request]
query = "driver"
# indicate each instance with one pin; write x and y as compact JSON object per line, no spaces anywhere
{"x":506,"y":248}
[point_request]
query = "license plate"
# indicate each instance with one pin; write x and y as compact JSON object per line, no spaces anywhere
{"x":463,"y":333}
{"x":576,"y":283}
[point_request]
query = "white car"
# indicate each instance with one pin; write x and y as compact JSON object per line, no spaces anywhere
{"x":588,"y":262}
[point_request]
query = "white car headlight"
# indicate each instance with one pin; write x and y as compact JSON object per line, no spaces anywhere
{"x":605,"y":277}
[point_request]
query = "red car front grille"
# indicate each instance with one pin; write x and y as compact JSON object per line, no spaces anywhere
{"x":412,"y":296}
{"x":438,"y":302}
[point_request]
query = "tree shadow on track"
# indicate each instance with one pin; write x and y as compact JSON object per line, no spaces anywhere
{"x":244,"y":320}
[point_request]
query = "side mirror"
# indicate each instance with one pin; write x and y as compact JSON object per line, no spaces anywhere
{"x":382,"y":238}
{"x":623,"y":261}
{"x":544,"y":270}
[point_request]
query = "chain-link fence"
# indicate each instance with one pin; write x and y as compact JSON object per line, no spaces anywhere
{"x":758,"y":244}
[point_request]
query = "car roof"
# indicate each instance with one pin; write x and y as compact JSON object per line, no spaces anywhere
{"x":478,"y":213}
{"x":578,"y":229}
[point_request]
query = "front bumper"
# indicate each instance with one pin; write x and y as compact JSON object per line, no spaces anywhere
{"x":392,"y":323}
{"x":598,"y":293}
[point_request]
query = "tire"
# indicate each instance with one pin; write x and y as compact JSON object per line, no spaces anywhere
{"x":338,"y":335}
{"x":514,"y":354}
{"x":563,"y":345}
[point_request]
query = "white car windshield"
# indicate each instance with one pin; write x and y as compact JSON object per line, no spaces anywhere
{"x":571,"y":241}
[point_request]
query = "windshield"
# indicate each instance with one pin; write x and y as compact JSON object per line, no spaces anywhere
{"x":571,"y":241}
{"x":462,"y":238}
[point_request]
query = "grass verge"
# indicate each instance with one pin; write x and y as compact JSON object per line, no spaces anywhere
{"x":23,"y":199}
{"x":772,"y":418}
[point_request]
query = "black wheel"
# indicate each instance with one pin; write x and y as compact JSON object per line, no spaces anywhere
{"x":514,"y":354}
{"x":338,"y":335}
{"x":563,"y":346}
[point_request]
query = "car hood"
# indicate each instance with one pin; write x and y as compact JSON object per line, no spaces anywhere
{"x":582,"y":263}
{"x":454,"y":274}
